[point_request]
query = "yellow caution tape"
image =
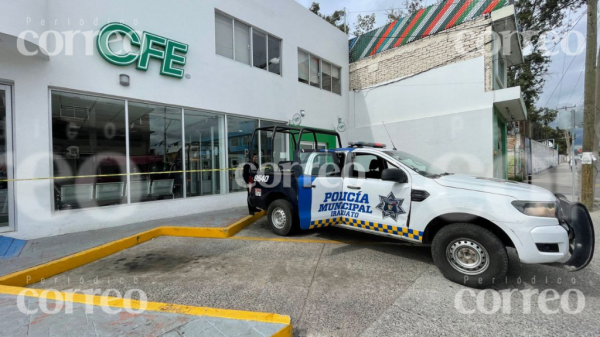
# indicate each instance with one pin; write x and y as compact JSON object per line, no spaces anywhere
{"x":115,"y":175}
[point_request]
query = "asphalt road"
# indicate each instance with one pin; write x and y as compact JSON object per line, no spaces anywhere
{"x":559,"y":179}
{"x":370,"y":287}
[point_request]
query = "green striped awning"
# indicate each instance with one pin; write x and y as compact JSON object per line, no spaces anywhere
{"x":427,"y":21}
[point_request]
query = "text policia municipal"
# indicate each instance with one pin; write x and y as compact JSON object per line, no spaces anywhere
{"x":349,"y":204}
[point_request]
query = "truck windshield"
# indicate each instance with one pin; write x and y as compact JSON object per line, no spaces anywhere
{"x":416,"y":164}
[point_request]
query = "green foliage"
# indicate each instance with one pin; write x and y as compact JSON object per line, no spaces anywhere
{"x":540,"y":120}
{"x":535,"y":18}
{"x":364,"y":24}
{"x":411,"y":6}
{"x":517,"y":179}
{"x":337,"y":19}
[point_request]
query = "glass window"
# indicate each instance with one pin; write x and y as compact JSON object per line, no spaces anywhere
{"x":325,"y":165}
{"x":326,"y":76}
{"x":315,"y":72}
{"x":154,"y":150}
{"x":263,"y":50}
{"x":500,"y":71}
{"x":302,"y":67}
{"x":202,"y":148}
{"x":224,"y":35}
{"x":318,"y":73}
{"x":367,"y":166}
{"x":336,"y":82}
{"x":88,"y":139}
{"x":259,"y":40}
{"x":240,"y":132}
{"x":242,"y":42}
{"x":416,"y":164}
{"x":274,"y":55}
{"x":4,"y":167}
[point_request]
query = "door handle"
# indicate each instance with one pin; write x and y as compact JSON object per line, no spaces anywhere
{"x":353,"y":187}
{"x":309,"y":186}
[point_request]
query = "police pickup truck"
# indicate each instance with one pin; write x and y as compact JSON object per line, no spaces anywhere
{"x":468,"y":221}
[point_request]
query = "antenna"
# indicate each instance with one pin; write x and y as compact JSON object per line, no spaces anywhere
{"x":390,"y":137}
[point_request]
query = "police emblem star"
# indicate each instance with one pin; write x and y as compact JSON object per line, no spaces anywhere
{"x":390,"y":207}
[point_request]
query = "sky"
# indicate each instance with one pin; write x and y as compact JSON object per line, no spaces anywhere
{"x":555,"y":94}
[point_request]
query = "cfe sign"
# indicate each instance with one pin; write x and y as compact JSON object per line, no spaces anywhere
{"x":170,"y":52}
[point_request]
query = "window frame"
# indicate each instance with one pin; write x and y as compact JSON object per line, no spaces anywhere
{"x":313,"y":158}
{"x":500,"y":75}
{"x":352,"y":158}
{"x":321,"y":60}
{"x":251,"y":34}
{"x":224,"y":189}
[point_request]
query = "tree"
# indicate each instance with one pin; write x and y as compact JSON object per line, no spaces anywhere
{"x":364,"y":24}
{"x":410,"y":8}
{"x":537,"y":17}
{"x":393,"y":14}
{"x":540,"y":120}
{"x":337,"y":19}
{"x":413,"y":6}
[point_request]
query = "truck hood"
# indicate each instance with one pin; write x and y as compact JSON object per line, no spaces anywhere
{"x":513,"y":189}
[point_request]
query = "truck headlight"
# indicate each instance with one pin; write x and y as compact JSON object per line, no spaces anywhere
{"x":533,"y":208}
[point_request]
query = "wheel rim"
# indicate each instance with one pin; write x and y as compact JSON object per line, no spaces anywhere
{"x":468,"y":256}
{"x":278,"y":218}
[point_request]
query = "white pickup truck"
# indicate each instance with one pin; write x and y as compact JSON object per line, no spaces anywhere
{"x":468,"y":221}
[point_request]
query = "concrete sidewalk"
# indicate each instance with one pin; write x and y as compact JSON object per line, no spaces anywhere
{"x":14,"y":323}
{"x":79,"y":322}
{"x":43,"y":250}
{"x":559,"y":180}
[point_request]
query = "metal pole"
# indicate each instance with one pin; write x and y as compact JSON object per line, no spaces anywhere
{"x":127,"y":154}
{"x":573,"y":166}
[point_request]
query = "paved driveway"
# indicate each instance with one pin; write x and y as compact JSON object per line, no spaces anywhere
{"x":370,"y":287}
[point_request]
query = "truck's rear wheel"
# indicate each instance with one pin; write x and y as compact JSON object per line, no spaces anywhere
{"x":470,"y":255}
{"x":281,"y":218}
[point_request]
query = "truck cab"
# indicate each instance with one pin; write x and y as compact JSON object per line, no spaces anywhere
{"x":468,"y":221}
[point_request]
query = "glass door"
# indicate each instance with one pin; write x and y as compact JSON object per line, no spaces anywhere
{"x":6,"y":187}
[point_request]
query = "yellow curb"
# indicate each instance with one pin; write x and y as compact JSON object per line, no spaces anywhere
{"x":49,"y":269}
{"x":252,"y":238}
{"x":284,"y":332}
{"x":13,"y":284}
{"x":35,"y":274}
{"x":151,"y":306}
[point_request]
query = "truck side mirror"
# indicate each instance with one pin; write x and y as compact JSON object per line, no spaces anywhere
{"x":395,"y":175}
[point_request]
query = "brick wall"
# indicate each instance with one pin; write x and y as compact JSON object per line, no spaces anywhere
{"x":463,"y":42}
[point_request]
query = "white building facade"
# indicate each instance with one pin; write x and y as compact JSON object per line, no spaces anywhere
{"x":145,"y":121}
{"x":443,"y":97}
{"x":117,"y":112}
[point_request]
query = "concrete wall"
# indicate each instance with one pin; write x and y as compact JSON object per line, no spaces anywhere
{"x":543,"y":157}
{"x":217,"y":84}
{"x":443,"y":115}
{"x":451,"y":46}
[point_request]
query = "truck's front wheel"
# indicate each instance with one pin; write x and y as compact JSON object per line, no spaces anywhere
{"x":280,"y":217}
{"x":470,"y":255}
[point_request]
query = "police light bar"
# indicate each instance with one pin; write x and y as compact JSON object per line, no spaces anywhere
{"x":366,"y":144}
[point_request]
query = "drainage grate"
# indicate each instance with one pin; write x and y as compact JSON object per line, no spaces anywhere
{"x":10,"y":247}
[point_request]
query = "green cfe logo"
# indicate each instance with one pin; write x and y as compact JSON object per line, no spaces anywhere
{"x":151,"y":46}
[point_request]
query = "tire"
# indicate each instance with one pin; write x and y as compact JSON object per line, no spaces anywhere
{"x":470,"y":255}
{"x":281,"y":218}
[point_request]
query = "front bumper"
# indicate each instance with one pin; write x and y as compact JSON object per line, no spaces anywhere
{"x":566,"y":241}
{"x":577,"y":221}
